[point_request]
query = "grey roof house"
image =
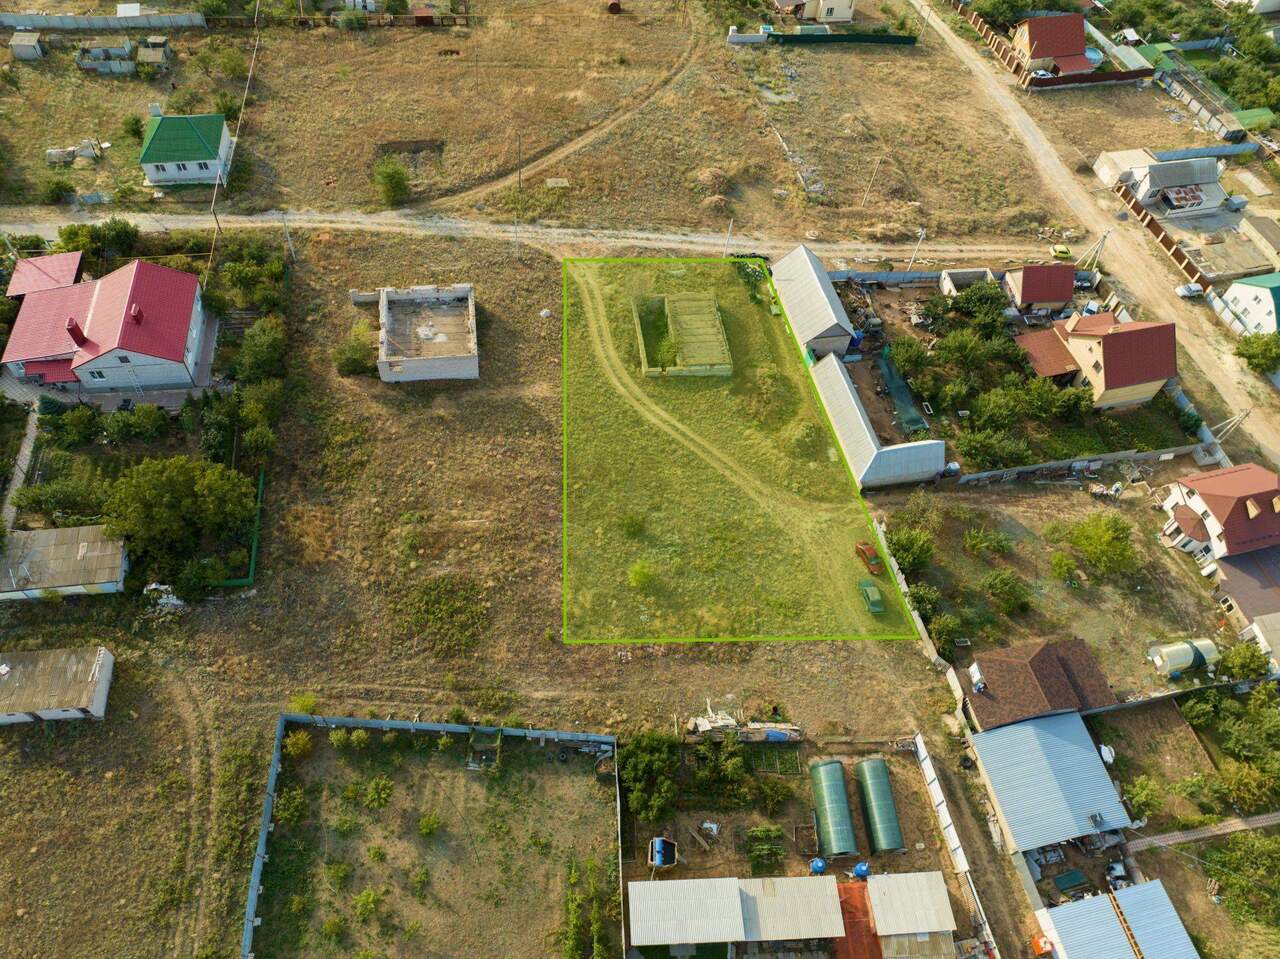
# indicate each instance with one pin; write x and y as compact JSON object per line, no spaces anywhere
{"x":54,"y":684}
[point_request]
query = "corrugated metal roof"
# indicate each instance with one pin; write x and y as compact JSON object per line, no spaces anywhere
{"x":910,"y":902}
{"x":685,"y":911}
{"x":807,"y":296}
{"x":797,"y":907}
{"x":1049,"y":780}
{"x":1172,"y":173}
{"x":53,"y":558}
{"x":49,"y":679}
{"x":691,"y":911}
{"x":1090,"y":928}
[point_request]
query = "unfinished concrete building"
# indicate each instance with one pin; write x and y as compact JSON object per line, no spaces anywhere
{"x":425,"y":332}
{"x":690,"y":329}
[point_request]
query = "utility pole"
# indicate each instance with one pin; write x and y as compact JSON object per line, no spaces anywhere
{"x":519,"y":161}
{"x":728,"y":233}
{"x":916,"y":250}
{"x":874,"y":171}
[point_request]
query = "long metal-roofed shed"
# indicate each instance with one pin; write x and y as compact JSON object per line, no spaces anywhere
{"x":912,"y":915}
{"x":690,"y":912}
{"x":883,"y":826}
{"x":831,"y":809}
{"x":872,"y":464}
{"x":54,"y":684}
{"x":812,"y":307}
{"x":1094,"y":928}
{"x":71,"y":561}
{"x":1048,"y":782}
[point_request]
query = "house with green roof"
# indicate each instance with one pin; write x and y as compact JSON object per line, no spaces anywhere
{"x":186,"y":149}
{"x":1255,"y":302}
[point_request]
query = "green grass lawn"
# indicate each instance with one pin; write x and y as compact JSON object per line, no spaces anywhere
{"x":703,"y":507}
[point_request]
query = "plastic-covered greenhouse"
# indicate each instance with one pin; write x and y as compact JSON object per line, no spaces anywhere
{"x":883,"y":828}
{"x":831,"y":806}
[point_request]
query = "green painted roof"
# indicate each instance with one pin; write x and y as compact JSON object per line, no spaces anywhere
{"x":1268,"y":281}
{"x":182,"y":138}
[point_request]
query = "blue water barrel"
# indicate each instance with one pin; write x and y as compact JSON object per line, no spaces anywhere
{"x":817,"y":866}
{"x":862,"y":870}
{"x":664,"y":853}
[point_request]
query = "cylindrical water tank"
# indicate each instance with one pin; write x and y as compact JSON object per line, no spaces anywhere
{"x":1181,"y":656}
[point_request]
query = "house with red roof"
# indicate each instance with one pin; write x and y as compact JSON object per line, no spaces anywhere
{"x":1054,"y":43}
{"x":44,"y":273}
{"x":138,"y":328}
{"x":1227,"y":512}
{"x":1123,"y":363}
{"x":1044,"y":286}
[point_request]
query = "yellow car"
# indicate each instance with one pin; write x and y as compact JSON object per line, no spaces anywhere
{"x":1060,"y":251}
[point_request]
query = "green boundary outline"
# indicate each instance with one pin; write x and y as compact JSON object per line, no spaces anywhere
{"x":564,"y":460}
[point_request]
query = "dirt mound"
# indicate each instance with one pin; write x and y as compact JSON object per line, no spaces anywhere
{"x":714,"y":180}
{"x":717,"y":203}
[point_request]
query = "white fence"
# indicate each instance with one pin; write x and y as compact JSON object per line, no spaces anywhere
{"x":50,"y":21}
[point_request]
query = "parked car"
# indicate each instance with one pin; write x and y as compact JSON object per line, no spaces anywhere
{"x":871,"y":596}
{"x":1042,"y":74}
{"x":1060,"y":251}
{"x":870,"y":558}
{"x":1189,"y":291}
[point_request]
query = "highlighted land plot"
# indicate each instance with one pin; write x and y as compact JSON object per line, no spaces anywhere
{"x":705,"y":497}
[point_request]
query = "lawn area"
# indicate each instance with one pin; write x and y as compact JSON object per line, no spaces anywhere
{"x":1119,"y":617}
{"x":752,"y":505}
{"x":395,"y":848}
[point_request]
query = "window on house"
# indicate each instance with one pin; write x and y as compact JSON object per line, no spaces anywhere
{"x":123,"y":359}
{"x":182,"y":168}
{"x":202,"y":165}
{"x":160,"y":168}
{"x":1097,"y":367}
{"x":97,"y":375}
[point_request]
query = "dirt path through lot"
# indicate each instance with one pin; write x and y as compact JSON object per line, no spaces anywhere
{"x":1130,"y":255}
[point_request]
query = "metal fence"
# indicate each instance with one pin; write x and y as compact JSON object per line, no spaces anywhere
{"x":1009,"y":474}
{"x":251,"y":917}
{"x":55,"y":21}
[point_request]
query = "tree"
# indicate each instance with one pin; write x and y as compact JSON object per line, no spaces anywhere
{"x":924,"y":599}
{"x":1146,"y":796}
{"x":912,"y":548}
{"x":909,"y":355}
{"x":163,"y":507}
{"x":397,"y":8}
{"x":233,"y":64}
{"x":78,"y":426}
{"x":1105,"y":543}
{"x":133,"y":126}
{"x":259,"y":442}
{"x":1009,"y":591}
{"x":1260,"y":351}
{"x":263,"y":350}
{"x":391,"y":177}
{"x":647,"y":766}
{"x":150,"y":421}
{"x":1243,"y":785}
{"x":1244,"y":660}
{"x":992,"y":449}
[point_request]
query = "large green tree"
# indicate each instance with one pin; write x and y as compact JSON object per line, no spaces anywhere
{"x":647,"y":766}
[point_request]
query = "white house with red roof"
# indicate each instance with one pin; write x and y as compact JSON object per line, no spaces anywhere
{"x":1124,"y":364}
{"x":138,"y":328}
{"x":1226,"y":512}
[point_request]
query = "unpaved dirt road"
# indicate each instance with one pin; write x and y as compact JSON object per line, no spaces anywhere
{"x":1129,"y":254}
{"x":581,"y":241}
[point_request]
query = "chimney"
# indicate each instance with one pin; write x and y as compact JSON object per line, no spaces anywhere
{"x":1073,"y":323}
{"x":135,"y":313}
{"x":73,"y":329}
{"x":1252,"y":508}
{"x":155,"y":110}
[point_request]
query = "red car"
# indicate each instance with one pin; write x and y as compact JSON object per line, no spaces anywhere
{"x":867,"y":553}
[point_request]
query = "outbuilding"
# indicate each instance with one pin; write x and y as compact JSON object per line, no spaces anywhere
{"x":25,"y":45}
{"x":1137,"y":920}
{"x":912,"y":915}
{"x":54,"y":684}
{"x":70,"y":561}
{"x":811,"y":305}
{"x":425,"y":332}
{"x":1047,"y":286}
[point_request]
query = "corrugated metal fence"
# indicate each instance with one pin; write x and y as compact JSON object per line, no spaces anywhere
{"x":251,"y":918}
{"x":54,"y":21}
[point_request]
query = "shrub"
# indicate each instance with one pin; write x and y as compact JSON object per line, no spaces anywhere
{"x":1244,"y":660}
{"x":359,"y":738}
{"x":377,"y":792}
{"x":303,"y":703}
{"x":397,"y":8}
{"x":428,"y":823}
{"x":391,"y":177}
{"x":924,"y":599}
{"x":297,"y":744}
{"x":333,"y":927}
{"x":1243,"y":785}
{"x":1007,"y":588}
{"x":346,"y":824}
{"x":633,"y":526}
{"x":352,"y":21}
{"x":987,"y":542}
{"x":912,"y":548}
{"x":290,"y":806}
{"x":119,"y":427}
{"x":339,"y":738}
{"x":765,"y":849}
{"x":377,"y":853}
{"x":946,"y":628}
{"x":150,"y":422}
{"x":1146,"y":797}
{"x":233,"y":64}
{"x":228,"y":104}
{"x":258,"y":443}
{"x":262,"y":352}
{"x":356,"y":355}
{"x":68,"y":495}
{"x":133,"y":126}
{"x":262,"y":402}
{"x":78,"y":426}
{"x":367,"y":902}
{"x":420,"y":879}
{"x":647,"y":766}
{"x":1105,"y":544}
{"x":1260,"y":351}
{"x":1063,"y":567}
{"x":57,"y":189}
{"x":641,"y":575}
{"x":1190,"y":421}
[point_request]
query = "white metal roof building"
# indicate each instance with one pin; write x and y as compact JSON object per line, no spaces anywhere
{"x":872,"y":464}
{"x":813,"y":309}
{"x":54,"y":684}
{"x":1091,"y":929}
{"x":912,"y":915}
{"x":692,"y":911}
{"x":1048,"y":781}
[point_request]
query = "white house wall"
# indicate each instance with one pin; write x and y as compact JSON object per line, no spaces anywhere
{"x":429,"y":368}
{"x":148,"y":372}
{"x":160,"y":173}
{"x":1253,"y":306}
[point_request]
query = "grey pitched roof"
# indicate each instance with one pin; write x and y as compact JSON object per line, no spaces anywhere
{"x":49,"y":679}
{"x":1049,"y":781}
{"x":872,"y":464}
{"x":807,"y":296}
{"x":1173,"y":173}
{"x":910,"y":902}
{"x":1090,"y":928}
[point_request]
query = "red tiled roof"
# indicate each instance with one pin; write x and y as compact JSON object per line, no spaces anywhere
{"x":1132,"y":353}
{"x":1073,"y":64}
{"x":1228,"y":492}
{"x":1048,"y":354}
{"x":1033,"y":679}
{"x":1191,"y":523}
{"x":142,"y":307}
{"x":53,"y":371}
{"x":860,"y":940}
{"x":1055,"y":36}
{"x":1048,"y":283}
{"x":44,"y":273}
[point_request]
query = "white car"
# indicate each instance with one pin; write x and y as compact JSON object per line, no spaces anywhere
{"x":1042,"y":74}
{"x":1189,"y":291}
